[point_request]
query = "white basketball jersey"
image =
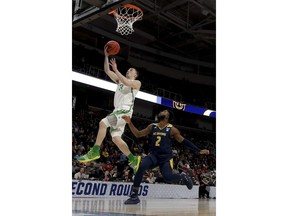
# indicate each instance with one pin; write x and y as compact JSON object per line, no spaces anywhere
{"x":124,"y":97}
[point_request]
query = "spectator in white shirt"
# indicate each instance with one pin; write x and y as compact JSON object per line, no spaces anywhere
{"x":151,"y":179}
{"x":81,"y":174}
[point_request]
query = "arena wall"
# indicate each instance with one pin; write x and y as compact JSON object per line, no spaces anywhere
{"x":86,"y":188}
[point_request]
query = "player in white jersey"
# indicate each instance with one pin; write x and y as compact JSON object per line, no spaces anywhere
{"x":127,"y":88}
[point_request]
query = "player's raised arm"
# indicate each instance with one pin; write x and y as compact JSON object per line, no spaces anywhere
{"x":107,"y":70}
{"x":176,"y":134}
{"x":134,"y":130}
{"x":136,"y":84}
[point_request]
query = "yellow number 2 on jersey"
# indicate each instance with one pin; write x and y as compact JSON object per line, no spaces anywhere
{"x":158,"y":141}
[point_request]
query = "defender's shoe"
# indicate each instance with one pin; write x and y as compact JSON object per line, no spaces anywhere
{"x":187,"y":180}
{"x":132,"y":200}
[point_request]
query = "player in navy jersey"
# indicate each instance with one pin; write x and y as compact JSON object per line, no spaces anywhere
{"x":161,"y":135}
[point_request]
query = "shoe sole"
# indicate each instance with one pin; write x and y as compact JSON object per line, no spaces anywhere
{"x":88,"y":160}
{"x":131,"y":203}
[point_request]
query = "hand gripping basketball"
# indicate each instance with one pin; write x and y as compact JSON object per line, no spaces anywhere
{"x":112,"y":47}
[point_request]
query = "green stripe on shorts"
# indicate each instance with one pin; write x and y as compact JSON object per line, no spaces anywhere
{"x":118,"y":112}
{"x":113,"y":129}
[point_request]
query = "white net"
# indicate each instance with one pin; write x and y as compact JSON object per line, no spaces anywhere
{"x":125,"y":17}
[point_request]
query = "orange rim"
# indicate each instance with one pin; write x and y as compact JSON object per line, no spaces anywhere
{"x":132,"y":6}
{"x":127,"y":6}
{"x":112,"y":12}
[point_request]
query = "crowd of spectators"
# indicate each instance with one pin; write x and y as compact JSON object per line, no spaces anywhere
{"x":113,"y":164}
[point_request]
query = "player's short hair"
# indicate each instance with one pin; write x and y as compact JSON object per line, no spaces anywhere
{"x":171,"y":115}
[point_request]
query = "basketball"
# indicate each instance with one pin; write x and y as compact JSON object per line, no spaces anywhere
{"x":113,"y":47}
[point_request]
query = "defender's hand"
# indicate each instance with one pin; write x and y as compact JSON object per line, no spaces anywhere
{"x":126,"y":118}
{"x":204,"y":151}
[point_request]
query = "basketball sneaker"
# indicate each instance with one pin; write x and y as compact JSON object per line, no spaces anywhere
{"x":187,"y":180}
{"x":135,"y":163}
{"x":93,"y":154}
{"x":134,"y":199}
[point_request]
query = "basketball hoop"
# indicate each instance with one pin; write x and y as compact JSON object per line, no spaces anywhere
{"x":125,"y":17}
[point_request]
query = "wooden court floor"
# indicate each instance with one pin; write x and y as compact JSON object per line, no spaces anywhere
{"x":152,"y":207}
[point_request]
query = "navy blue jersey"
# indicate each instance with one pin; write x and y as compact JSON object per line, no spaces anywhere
{"x":161,"y":142}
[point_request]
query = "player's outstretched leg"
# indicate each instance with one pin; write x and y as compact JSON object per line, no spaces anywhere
{"x":134,"y":161}
{"x":94,"y":152}
{"x":148,"y":162}
{"x":187,"y":180}
{"x":134,"y":199}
